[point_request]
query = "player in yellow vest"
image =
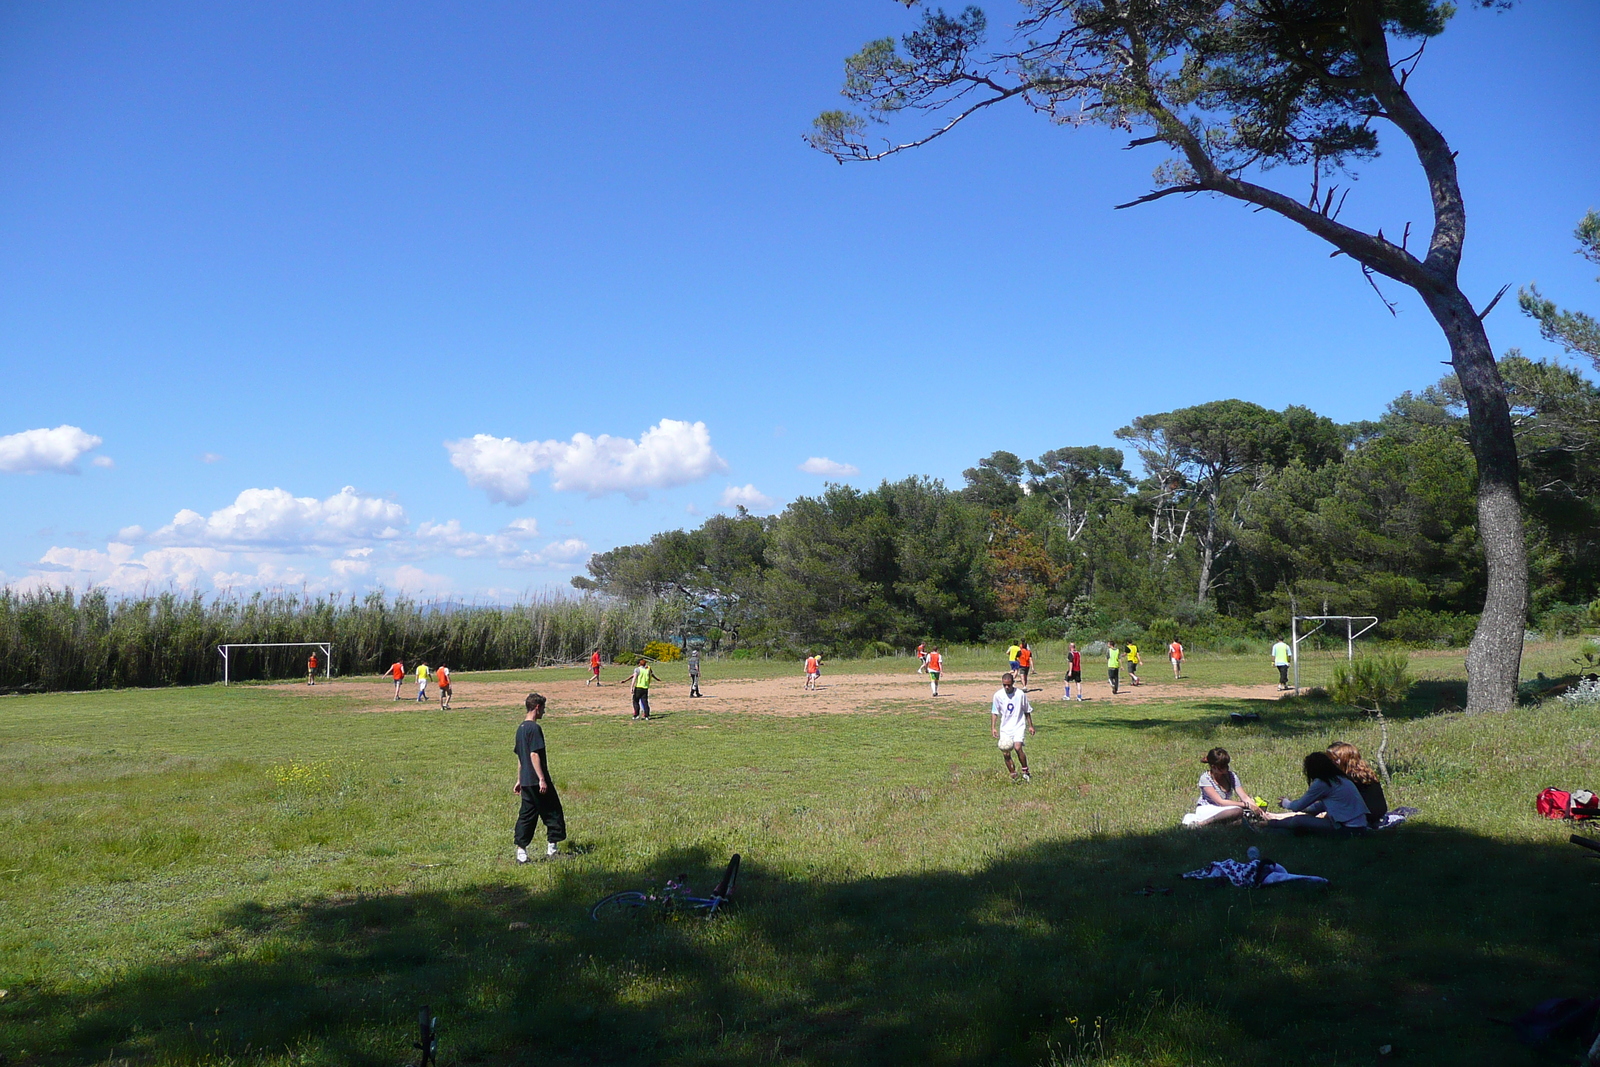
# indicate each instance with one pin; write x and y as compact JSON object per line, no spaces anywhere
{"x":422,"y":682}
{"x":1131,"y":654}
{"x":1113,"y":664}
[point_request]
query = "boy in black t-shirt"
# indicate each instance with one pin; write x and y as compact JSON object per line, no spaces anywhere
{"x":538,"y":791}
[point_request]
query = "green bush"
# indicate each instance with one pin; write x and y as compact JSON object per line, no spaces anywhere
{"x":1430,"y":628}
{"x":1563,"y":620}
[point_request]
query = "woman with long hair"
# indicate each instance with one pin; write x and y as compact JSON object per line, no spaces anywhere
{"x":1328,"y":792}
{"x":1223,"y":798}
{"x":1348,"y":757}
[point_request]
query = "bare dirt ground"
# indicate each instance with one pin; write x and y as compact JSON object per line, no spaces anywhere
{"x":840,"y":694}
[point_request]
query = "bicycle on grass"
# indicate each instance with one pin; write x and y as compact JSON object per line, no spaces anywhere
{"x":673,"y":897}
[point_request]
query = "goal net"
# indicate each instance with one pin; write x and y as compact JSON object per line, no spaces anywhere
{"x":326,"y":648}
{"x":1352,"y":625}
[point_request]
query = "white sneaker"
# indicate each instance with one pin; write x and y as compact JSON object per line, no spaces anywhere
{"x":522,"y":854}
{"x":550,"y":849}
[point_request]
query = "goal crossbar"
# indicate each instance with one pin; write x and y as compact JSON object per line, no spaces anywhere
{"x":1350,"y":635}
{"x":326,"y":646}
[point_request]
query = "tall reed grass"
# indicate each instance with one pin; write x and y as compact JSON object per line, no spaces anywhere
{"x":55,"y":640}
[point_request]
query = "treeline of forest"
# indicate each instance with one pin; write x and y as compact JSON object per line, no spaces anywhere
{"x":54,"y":640}
{"x":1238,"y":517}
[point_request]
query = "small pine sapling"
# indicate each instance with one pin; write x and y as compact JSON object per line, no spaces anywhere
{"x":1371,"y":682}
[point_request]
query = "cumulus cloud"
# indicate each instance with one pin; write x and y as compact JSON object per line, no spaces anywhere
{"x":121,"y":569}
{"x":670,"y":453}
{"x":565,"y":553}
{"x":33,"y":451}
{"x":277,"y":518}
{"x":828,"y":468}
{"x":748,"y":497}
{"x":105,"y":462}
{"x":409,"y":579}
{"x":451,"y":538}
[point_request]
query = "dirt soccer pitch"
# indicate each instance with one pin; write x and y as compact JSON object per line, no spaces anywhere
{"x":283,"y":874}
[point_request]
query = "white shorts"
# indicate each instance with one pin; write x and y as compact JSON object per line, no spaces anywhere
{"x":1204,"y":813}
{"x":1011,"y":737}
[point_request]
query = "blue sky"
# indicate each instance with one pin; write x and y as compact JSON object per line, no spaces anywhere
{"x":347,"y":293}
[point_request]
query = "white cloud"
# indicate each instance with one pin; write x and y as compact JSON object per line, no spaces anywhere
{"x":828,"y":468}
{"x":349,"y":568}
{"x":210,"y":457}
{"x":668,"y":454}
{"x":748,"y":497}
{"x":33,"y":451}
{"x":409,"y":579}
{"x":276,"y":518}
{"x":556,"y":554}
{"x":120,"y":570}
{"x":521,"y":528}
{"x":451,"y":538}
{"x":105,"y":462}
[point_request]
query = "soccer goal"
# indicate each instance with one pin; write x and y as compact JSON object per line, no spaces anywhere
{"x":1350,"y":635}
{"x":325,"y":646}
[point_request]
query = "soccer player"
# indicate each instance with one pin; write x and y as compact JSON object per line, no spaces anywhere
{"x":422,"y":682}
{"x":442,"y":676}
{"x":1074,"y":671}
{"x":1010,"y":716}
{"x":1280,"y":660}
{"x":1025,"y":661}
{"x":694,"y":673}
{"x":935,"y":665}
{"x":1011,"y":657}
{"x":643,"y":675}
{"x":1175,"y":654}
{"x":594,"y":668}
{"x":1113,"y":664}
{"x":922,"y":659}
{"x":813,"y":671}
{"x":311,"y":670}
{"x":397,"y":671}
{"x":1131,"y":654}
{"x":535,"y":786}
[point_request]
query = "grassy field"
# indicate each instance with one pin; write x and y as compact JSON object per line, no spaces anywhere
{"x":259,"y":875}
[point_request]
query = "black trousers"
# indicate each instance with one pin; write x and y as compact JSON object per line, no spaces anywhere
{"x":1283,"y":674}
{"x":641,"y":702}
{"x":536,"y":806}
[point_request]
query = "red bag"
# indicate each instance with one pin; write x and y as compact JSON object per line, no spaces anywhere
{"x":1554,"y":803}
{"x":1585,"y":805}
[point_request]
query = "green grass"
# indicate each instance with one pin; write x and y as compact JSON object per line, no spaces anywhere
{"x":248,"y":876}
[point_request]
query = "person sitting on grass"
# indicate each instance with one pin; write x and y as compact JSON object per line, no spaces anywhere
{"x":1328,"y":792}
{"x":1348,"y":757}
{"x":1223,"y":798}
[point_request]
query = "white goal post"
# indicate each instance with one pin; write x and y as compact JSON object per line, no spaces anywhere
{"x":325,"y":646}
{"x":1350,"y":635}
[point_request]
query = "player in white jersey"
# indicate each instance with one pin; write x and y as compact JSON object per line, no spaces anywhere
{"x":1010,"y":718}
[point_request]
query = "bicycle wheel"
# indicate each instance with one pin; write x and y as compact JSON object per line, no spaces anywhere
{"x":619,"y":906}
{"x":729,"y":877}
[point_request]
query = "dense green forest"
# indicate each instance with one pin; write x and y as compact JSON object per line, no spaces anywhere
{"x":1225,"y":518}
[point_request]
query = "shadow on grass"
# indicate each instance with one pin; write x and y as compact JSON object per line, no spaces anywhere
{"x":1422,"y":938}
{"x":1286,"y":717}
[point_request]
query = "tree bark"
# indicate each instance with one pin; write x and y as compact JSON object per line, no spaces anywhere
{"x":1494,"y":659}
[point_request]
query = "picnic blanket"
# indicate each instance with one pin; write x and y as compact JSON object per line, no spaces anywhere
{"x":1248,"y":874}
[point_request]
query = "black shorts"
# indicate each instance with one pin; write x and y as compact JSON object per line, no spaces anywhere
{"x":1074,"y":676}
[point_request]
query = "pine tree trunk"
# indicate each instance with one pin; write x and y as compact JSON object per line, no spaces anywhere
{"x":1494,"y":659}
